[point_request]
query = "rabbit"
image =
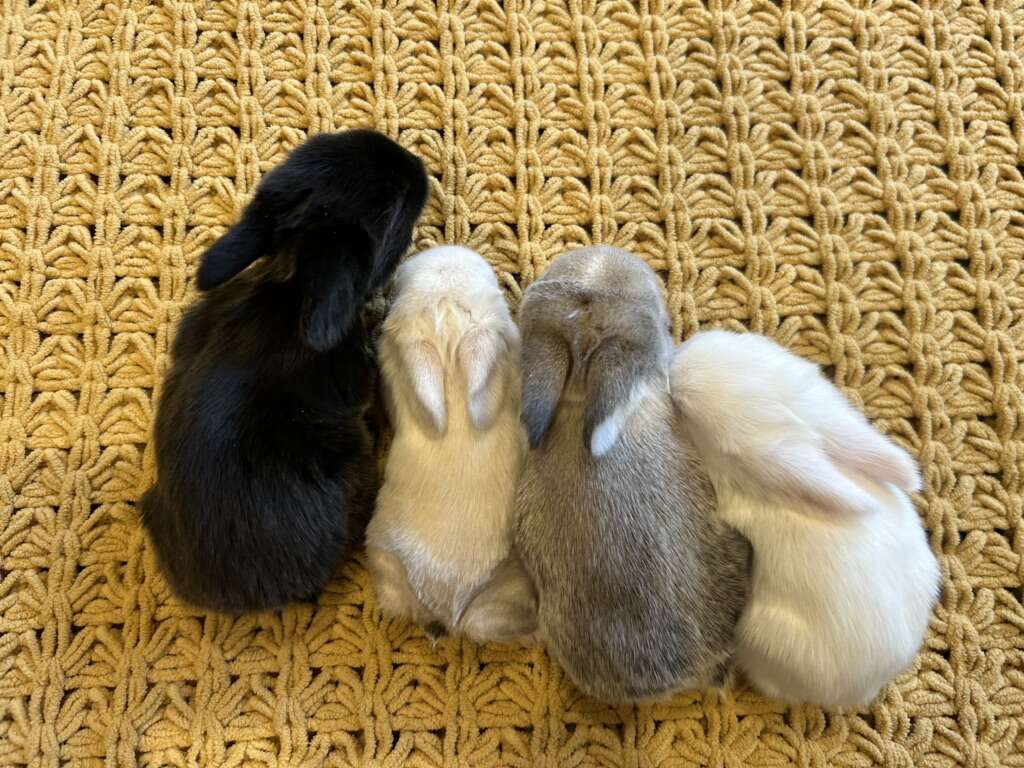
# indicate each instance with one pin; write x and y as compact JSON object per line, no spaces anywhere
{"x":442,"y":528}
{"x":639,"y":585}
{"x":843,"y":578}
{"x":265,"y":467}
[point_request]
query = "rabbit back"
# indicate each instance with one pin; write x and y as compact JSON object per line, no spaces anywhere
{"x":837,"y":608}
{"x":639,"y":587}
{"x":266,"y":467}
{"x":445,"y":509}
{"x":449,"y":361}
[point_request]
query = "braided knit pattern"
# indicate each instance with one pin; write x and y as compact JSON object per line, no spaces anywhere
{"x":842,"y":175}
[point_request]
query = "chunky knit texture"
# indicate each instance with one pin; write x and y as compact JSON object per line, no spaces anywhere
{"x":843,"y":175}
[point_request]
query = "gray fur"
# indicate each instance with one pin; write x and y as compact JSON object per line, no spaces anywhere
{"x":639,"y":587}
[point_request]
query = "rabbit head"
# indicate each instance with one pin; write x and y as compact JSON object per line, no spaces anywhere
{"x":595,"y":327}
{"x":786,"y":430}
{"x":448,"y":332}
{"x":336,"y":217}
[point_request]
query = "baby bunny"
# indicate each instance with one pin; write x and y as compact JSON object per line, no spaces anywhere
{"x":438,"y":544}
{"x":265,"y":466}
{"x":843,"y":578}
{"x":639,"y":586}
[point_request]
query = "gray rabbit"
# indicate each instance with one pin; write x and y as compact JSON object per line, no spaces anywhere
{"x":639,"y":585}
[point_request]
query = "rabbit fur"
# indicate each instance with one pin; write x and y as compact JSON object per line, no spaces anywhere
{"x":442,"y":529}
{"x":265,"y":468}
{"x":639,"y":585}
{"x":843,"y":578}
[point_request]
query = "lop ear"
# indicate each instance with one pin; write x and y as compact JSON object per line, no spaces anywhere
{"x":616,"y":375}
{"x":764,"y":445}
{"x":249,"y":239}
{"x":341,"y":266}
{"x":826,"y":444}
{"x":426,"y":375}
{"x":802,"y":470}
{"x":479,"y":354}
{"x":852,"y":442}
{"x":545,"y":367}
{"x":333,"y":279}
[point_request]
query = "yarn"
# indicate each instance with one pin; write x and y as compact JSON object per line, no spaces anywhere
{"x":842,"y":176}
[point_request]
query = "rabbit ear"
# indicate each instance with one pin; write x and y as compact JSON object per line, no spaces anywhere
{"x":853,"y":443}
{"x":615,"y":377}
{"x":426,"y":373}
{"x":545,"y":366}
{"x":801,"y":470}
{"x":333,"y":276}
{"x":478,"y":354}
{"x":249,"y":239}
{"x":340,"y":268}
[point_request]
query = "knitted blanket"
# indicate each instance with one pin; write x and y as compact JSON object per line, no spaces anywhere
{"x":842,"y":175}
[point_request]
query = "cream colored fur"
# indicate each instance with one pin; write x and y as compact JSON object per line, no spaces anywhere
{"x":441,"y":530}
{"x":843,"y":579}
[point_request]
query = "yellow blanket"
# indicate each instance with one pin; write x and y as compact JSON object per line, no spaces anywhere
{"x":843,"y":176}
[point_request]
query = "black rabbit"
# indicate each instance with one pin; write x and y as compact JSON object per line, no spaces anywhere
{"x":265,"y":468}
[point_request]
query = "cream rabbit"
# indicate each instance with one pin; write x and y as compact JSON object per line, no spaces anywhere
{"x":843,"y":579}
{"x":439,"y":542}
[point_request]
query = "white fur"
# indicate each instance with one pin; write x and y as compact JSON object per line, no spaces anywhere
{"x":843,"y":579}
{"x":441,"y":530}
{"x":606,"y":434}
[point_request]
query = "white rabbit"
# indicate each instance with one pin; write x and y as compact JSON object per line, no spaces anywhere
{"x":439,"y":542}
{"x":843,"y":580}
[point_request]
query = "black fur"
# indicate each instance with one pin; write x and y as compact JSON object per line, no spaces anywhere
{"x":266,"y":470}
